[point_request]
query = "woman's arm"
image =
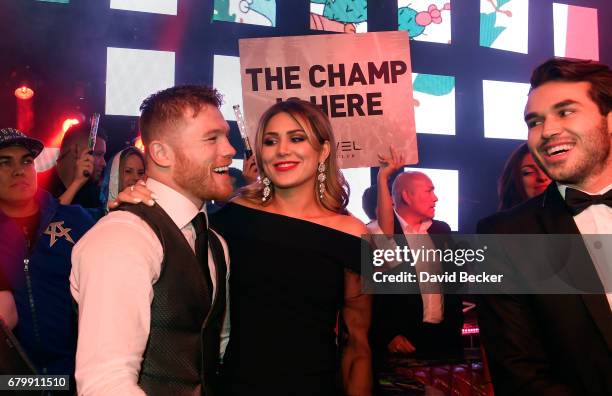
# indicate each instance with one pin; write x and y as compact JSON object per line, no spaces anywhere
{"x":384,"y":203}
{"x":357,"y":358}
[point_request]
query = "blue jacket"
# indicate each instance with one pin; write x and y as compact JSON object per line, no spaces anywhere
{"x":40,"y":283}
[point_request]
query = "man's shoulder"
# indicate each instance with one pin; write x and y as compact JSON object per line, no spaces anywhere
{"x":518,"y":219}
{"x":118,"y":224}
{"x":439,"y":227}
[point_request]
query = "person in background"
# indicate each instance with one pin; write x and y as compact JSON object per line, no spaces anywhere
{"x":521,"y":179}
{"x":368,"y":201}
{"x":38,"y":234}
{"x":249,"y":170}
{"x":126,"y":168}
{"x":77,"y":176}
{"x":428,"y":325}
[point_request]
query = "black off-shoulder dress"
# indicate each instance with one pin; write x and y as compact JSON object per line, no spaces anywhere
{"x":286,"y":289}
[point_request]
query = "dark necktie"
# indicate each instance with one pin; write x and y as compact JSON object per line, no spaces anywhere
{"x":579,"y":201}
{"x":201,"y":248}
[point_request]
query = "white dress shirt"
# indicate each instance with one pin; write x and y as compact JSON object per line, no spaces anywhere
{"x":433,"y":303}
{"x":597,"y":219}
{"x":114,"y":268}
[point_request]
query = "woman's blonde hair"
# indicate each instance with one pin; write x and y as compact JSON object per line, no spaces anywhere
{"x":319,"y":130}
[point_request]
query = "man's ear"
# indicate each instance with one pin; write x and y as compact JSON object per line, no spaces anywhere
{"x":325,"y":150}
{"x":406,"y":198}
{"x":161,"y":153}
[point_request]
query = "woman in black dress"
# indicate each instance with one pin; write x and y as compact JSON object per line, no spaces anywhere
{"x":295,"y":257}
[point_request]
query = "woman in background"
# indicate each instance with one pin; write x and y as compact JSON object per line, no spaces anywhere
{"x":521,"y":179}
{"x":126,"y":168}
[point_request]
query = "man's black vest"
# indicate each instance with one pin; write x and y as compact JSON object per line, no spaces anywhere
{"x":182,"y":353}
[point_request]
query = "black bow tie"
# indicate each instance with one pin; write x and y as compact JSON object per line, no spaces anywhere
{"x":579,"y":201}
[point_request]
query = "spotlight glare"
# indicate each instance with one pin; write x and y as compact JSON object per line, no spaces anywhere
{"x":68,"y":123}
{"x":138,"y":144}
{"x":24,"y":92}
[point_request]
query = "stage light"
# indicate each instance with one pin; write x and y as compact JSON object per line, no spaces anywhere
{"x":24,"y":92}
{"x":139,"y":144}
{"x":56,"y":141}
{"x":68,"y":123}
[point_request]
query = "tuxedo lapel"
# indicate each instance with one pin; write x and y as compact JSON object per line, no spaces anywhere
{"x":555,"y":215}
{"x":557,"y":219}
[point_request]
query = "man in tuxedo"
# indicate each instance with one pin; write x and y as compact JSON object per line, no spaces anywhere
{"x":559,"y":344}
{"x":427,"y":325}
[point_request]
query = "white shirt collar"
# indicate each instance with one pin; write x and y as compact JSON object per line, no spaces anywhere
{"x":563,"y":187}
{"x":180,"y":209}
{"x":421,"y":229}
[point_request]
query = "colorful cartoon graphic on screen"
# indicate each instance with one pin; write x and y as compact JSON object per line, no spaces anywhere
{"x":348,"y":16}
{"x":434,"y":95}
{"x":425,"y":20}
{"x":254,"y":12}
{"x":504,"y":24}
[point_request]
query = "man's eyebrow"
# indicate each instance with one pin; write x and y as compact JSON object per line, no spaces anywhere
{"x":556,"y":106}
{"x":216,"y":132}
{"x":564,"y":103}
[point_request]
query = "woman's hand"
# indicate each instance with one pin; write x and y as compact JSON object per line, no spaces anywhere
{"x":135,"y":194}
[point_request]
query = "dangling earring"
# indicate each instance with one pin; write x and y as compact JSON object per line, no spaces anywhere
{"x":267,"y":190}
{"x":321,"y":178}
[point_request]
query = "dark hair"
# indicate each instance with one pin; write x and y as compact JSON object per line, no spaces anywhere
{"x":239,"y":180}
{"x":79,"y":131}
{"x":369,"y":201}
{"x":319,"y":130}
{"x":162,"y":110}
{"x":510,"y":189}
{"x":131,"y":151}
{"x":573,"y":70}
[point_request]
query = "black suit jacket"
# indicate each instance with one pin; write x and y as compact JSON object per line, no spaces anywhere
{"x":402,"y":314}
{"x":545,"y":344}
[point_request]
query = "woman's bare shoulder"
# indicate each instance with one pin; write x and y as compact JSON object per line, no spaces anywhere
{"x":349,"y":224}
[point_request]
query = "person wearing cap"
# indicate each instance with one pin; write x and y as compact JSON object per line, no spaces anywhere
{"x":38,"y":234}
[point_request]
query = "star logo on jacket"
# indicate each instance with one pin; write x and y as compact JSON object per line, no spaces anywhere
{"x":56,"y":231}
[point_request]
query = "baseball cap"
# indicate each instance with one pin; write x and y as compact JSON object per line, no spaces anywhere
{"x":13,"y":137}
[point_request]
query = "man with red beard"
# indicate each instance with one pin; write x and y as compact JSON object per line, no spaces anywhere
{"x":559,"y":344}
{"x":150,"y":282}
